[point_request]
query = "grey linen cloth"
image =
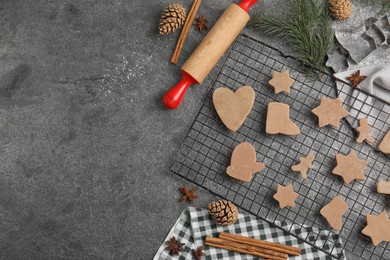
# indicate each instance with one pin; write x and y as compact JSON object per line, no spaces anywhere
{"x":377,"y":82}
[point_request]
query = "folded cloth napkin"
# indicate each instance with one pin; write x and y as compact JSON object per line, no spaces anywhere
{"x":194,"y":224}
{"x":377,"y":82}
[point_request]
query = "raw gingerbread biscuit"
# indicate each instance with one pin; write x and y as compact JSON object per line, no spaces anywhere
{"x":350,"y":167}
{"x":383,"y":187}
{"x":281,"y":81}
{"x":243,"y":164}
{"x":384,"y":146}
{"x":378,"y":228}
{"x":278,"y":120}
{"x":233,"y":107}
{"x":364,"y":130}
{"x":304,"y":165}
{"x":334,"y":211}
{"x":330,"y":112}
{"x":286,"y":196}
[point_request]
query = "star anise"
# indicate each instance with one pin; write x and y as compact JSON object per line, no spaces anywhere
{"x":201,"y":23}
{"x":355,"y":78}
{"x":190,"y":195}
{"x":197,"y":254}
{"x":174,"y":246}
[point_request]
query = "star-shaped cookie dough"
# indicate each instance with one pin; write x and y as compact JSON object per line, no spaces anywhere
{"x":378,"y":228}
{"x":286,"y":196}
{"x":305,"y":164}
{"x":364,"y":130}
{"x":350,"y":167}
{"x":281,"y":81}
{"x":330,"y":112}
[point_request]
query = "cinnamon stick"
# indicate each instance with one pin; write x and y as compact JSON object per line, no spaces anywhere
{"x":245,"y":249}
{"x":184,"y":32}
{"x":290,"y":250}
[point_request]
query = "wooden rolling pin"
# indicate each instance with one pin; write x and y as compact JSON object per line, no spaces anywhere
{"x":210,"y":50}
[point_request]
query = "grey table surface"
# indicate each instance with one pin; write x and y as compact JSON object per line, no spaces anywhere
{"x":85,"y":142}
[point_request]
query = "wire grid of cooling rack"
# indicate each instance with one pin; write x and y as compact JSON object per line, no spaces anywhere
{"x":207,"y":149}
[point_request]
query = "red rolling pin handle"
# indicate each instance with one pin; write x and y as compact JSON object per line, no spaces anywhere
{"x":173,"y":97}
{"x":247,"y":4}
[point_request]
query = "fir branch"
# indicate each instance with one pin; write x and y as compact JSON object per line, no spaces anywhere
{"x":308,"y":32}
{"x":385,"y":7}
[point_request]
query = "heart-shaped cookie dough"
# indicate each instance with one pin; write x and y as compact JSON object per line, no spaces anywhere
{"x":233,"y":107}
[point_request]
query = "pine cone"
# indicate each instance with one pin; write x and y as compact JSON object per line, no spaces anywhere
{"x":223,"y":212}
{"x":172,"y":18}
{"x":340,"y":9}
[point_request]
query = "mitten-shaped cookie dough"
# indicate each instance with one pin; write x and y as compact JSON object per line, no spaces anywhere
{"x":243,"y":164}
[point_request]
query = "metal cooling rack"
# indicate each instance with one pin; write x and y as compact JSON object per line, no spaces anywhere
{"x":207,"y":149}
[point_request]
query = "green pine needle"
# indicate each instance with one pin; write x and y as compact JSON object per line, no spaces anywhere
{"x":308,"y":31}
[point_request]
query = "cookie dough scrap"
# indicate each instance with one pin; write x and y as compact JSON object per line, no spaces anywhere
{"x":233,"y":107}
{"x":305,"y":164}
{"x":364,"y":131}
{"x":278,"y":120}
{"x":281,"y":81}
{"x":333,"y":212}
{"x":383,"y":187}
{"x":384,"y":146}
{"x":350,"y":167}
{"x":243,"y":163}
{"x":286,"y":196}
{"x":378,"y":228}
{"x":330,"y":112}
